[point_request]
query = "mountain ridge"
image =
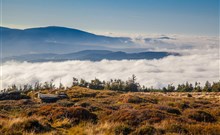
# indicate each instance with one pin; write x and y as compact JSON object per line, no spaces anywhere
{"x":92,"y":55}
{"x":56,"y":39}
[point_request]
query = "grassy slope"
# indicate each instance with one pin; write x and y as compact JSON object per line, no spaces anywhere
{"x":108,"y":112}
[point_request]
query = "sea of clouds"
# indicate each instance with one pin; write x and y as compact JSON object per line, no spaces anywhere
{"x":199,"y":61}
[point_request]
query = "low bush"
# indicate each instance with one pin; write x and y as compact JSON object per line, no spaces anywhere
{"x":189,"y":95}
{"x":204,"y":129}
{"x":170,"y":110}
{"x":29,"y":125}
{"x":177,"y":128}
{"x":13,"y":96}
{"x":65,"y":103}
{"x":201,"y":116}
{"x":65,"y":123}
{"x":75,"y":114}
{"x":145,"y":130}
{"x":85,"y":104}
{"x":135,"y":117}
{"x":183,"y":105}
{"x":80,"y":114}
{"x":135,"y":99}
{"x":127,"y":98}
{"x":122,"y":130}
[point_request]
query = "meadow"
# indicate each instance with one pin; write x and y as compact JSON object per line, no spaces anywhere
{"x":105,"y":112}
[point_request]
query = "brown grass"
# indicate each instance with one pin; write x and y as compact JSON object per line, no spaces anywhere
{"x":103,"y":112}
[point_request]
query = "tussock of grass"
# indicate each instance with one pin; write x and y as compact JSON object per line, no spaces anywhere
{"x":20,"y":125}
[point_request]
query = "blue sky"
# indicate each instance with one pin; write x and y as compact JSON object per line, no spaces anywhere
{"x":194,"y":17}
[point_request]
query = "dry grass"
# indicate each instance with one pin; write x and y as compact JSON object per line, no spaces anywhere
{"x":103,"y":112}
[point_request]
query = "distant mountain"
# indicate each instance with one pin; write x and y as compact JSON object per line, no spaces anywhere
{"x":93,"y":55}
{"x":55,"y":39}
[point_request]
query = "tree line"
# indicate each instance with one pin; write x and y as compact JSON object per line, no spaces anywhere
{"x":131,"y":85}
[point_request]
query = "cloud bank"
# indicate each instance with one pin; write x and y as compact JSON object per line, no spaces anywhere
{"x":199,"y":62}
{"x":156,"y":73}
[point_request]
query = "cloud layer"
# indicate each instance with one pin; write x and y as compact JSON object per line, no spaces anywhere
{"x":199,"y":62}
{"x":156,"y":73}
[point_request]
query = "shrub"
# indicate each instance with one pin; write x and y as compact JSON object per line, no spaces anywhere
{"x":75,"y":114}
{"x":189,"y":95}
{"x":176,"y":128}
{"x":83,"y":94}
{"x":135,"y":100}
{"x":78,"y":114}
{"x":65,"y":103}
{"x":130,"y":98}
{"x":30,"y":125}
{"x":170,"y":110}
{"x":135,"y":117}
{"x":174,"y":111}
{"x":94,"y":108}
{"x":122,"y":130}
{"x":77,"y":130}
{"x":3,"y":116}
{"x":85,"y":104}
{"x":145,"y":130}
{"x":201,"y":116}
{"x":171,"y":104}
{"x":154,"y":120}
{"x":126,"y":115}
{"x":183,"y":106}
{"x":65,"y":123}
{"x":13,"y":96}
{"x":203,"y":102}
{"x":204,"y":129}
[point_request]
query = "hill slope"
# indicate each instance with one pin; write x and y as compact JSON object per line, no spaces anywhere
{"x":93,"y":55}
{"x":55,"y":39}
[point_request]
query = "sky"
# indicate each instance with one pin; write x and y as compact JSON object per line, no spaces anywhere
{"x":192,"y":17}
{"x":179,"y":18}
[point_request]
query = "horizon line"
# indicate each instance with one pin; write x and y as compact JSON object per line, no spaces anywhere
{"x":107,"y":33}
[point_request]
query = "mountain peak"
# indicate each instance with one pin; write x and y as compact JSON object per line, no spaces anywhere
{"x":57,"y":29}
{"x":57,"y":39}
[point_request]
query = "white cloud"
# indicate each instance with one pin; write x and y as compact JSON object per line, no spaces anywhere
{"x":155,"y":73}
{"x":199,"y":62}
{"x":178,"y":43}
